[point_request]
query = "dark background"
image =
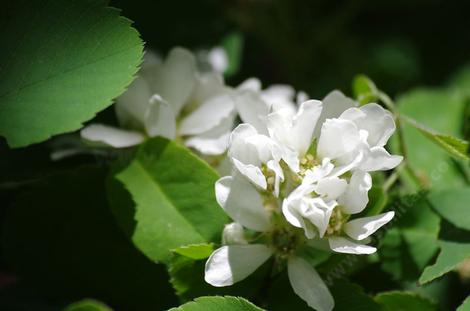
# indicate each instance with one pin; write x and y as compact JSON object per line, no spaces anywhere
{"x":319,"y":45}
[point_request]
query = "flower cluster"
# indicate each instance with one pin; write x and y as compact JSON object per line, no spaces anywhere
{"x":299,"y":178}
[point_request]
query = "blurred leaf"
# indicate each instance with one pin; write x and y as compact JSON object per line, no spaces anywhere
{"x":233,"y":46}
{"x":87,"y":305}
{"x":175,"y":204}
{"x":195,"y":251}
{"x":461,"y":80}
{"x":452,"y":204}
{"x":454,"y":146}
{"x":65,"y":61}
{"x":60,"y":236}
{"x":465,"y":306}
{"x":413,"y":241}
{"x":377,"y":201}
{"x":217,"y":303}
{"x":404,"y":301}
{"x":452,"y":253}
{"x":443,"y":112}
{"x":349,"y":297}
{"x":364,"y":89}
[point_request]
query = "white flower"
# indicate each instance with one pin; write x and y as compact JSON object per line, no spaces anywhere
{"x":234,"y":262}
{"x":164,"y":93}
{"x":359,"y":133}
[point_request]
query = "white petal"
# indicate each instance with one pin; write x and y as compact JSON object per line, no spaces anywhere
{"x":250,"y":84}
{"x":378,"y":159}
{"x":111,"y":136}
{"x":175,"y":78}
{"x":308,"y":285}
{"x":218,"y":59}
{"x":160,"y":119}
{"x":252,"y":172}
{"x":331,"y":188}
{"x":343,"y":245}
{"x":233,"y":234}
{"x":377,"y":121}
{"x":252,"y":109}
{"x":303,"y":125}
{"x":230,"y":264}
{"x":355,"y":198}
{"x":132,"y":105}
{"x":339,"y":139}
{"x":334,"y":104}
{"x":280,"y":96}
{"x":209,"y":115}
{"x":242,"y":202}
{"x":238,"y":148}
{"x":361,"y":228}
{"x":209,"y":145}
{"x":208,"y":85}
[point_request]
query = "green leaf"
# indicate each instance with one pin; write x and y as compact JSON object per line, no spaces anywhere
{"x":195,"y":251}
{"x":233,"y":46}
{"x":364,"y":89}
{"x":61,"y":237}
{"x":454,"y":146}
{"x":87,"y":305}
{"x":442,"y":111}
{"x":404,"y":301}
{"x":452,"y":204}
{"x":218,"y":303}
{"x":174,"y":197}
{"x":62,"y":62}
{"x":465,"y":306}
{"x":452,"y":253}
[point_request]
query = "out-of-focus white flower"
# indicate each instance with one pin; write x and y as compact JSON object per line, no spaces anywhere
{"x":234,"y":262}
{"x":172,"y":99}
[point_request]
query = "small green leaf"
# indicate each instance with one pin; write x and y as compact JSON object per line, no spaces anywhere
{"x":87,"y":305}
{"x":454,"y":146}
{"x":465,"y":306}
{"x":195,"y":251}
{"x":233,"y":46}
{"x":452,"y":253}
{"x":404,"y":301}
{"x":452,"y":204}
{"x":62,"y":62}
{"x":218,"y":303}
{"x":364,"y":89}
{"x":173,"y":192}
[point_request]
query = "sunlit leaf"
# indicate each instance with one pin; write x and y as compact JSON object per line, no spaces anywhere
{"x":61,"y":63}
{"x":173,"y":192}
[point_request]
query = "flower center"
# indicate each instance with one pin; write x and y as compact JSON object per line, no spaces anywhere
{"x":270,"y":177}
{"x":284,"y":241}
{"x":337,"y":220}
{"x":307,"y":163}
